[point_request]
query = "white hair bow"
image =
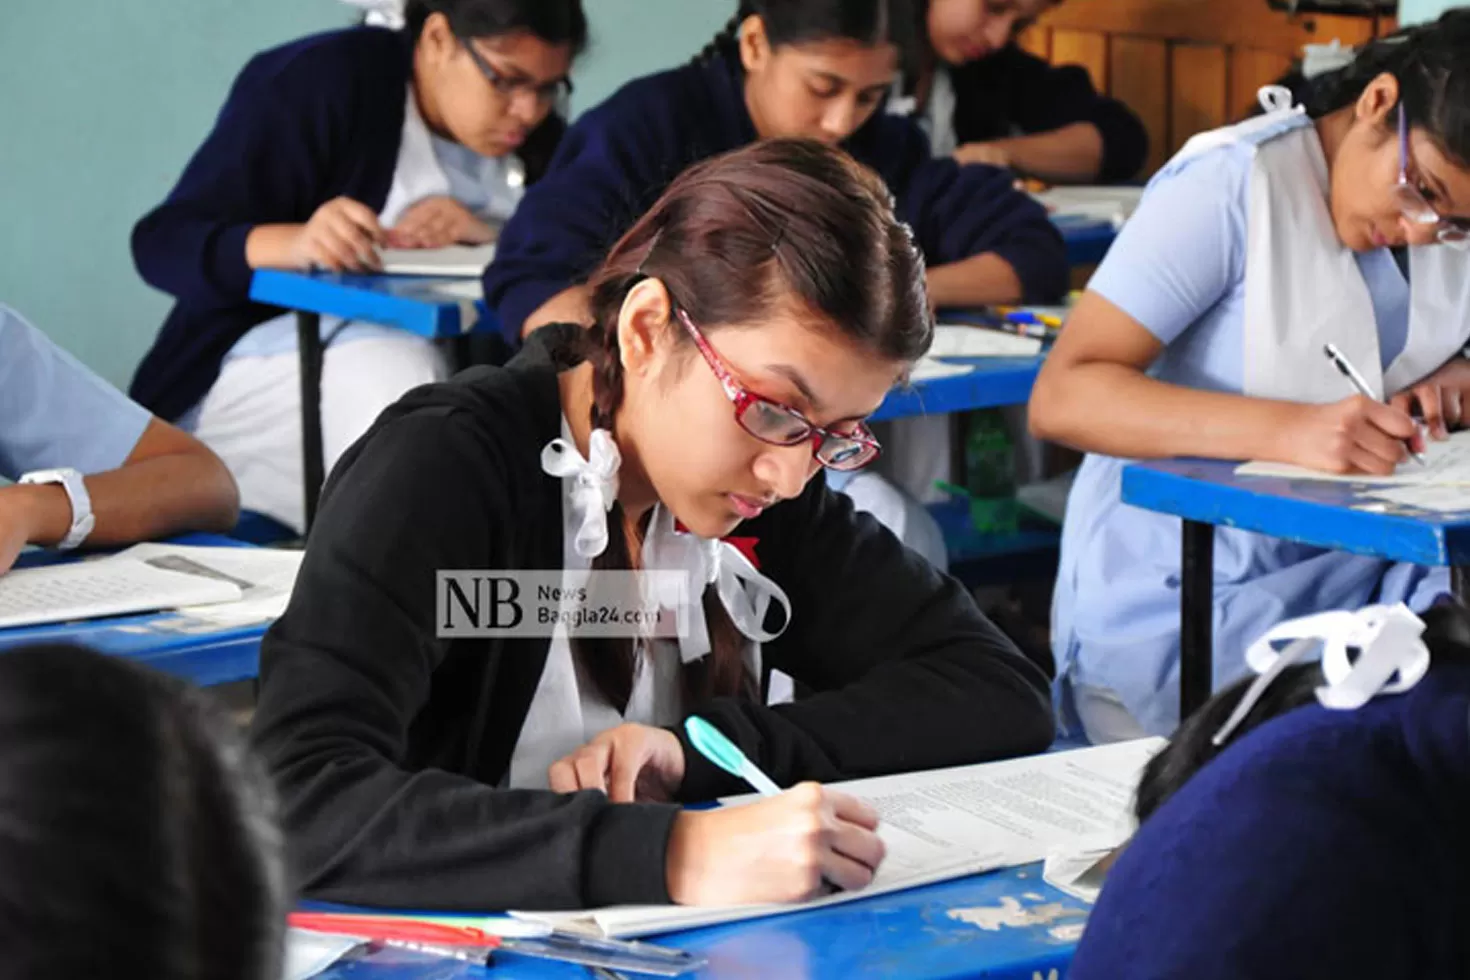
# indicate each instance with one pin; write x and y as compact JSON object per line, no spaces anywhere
{"x":381,"y":13}
{"x":1391,"y":657}
{"x":595,"y":489}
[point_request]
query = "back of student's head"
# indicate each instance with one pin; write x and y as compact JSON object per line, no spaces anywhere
{"x":775,"y":233}
{"x":1430,"y":62}
{"x":136,"y":838}
{"x":1447,"y":634}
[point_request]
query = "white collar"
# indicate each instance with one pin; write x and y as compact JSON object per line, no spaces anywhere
{"x":745,"y":593}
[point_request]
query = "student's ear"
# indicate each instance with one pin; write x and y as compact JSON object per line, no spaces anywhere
{"x":755,"y":46}
{"x":437,"y":38}
{"x":643,"y":327}
{"x":1379,"y":98}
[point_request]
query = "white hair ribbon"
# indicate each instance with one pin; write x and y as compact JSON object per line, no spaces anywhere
{"x":595,"y":489}
{"x":1391,"y":657}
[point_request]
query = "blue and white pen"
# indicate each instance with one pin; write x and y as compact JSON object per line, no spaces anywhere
{"x":1351,"y":373}
{"x":714,"y":746}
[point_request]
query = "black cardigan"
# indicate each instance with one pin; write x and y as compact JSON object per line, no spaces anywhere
{"x":386,"y":742}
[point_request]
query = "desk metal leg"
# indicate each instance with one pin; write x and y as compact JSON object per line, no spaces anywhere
{"x":313,"y":467}
{"x":1460,"y":583}
{"x":1196,"y":617}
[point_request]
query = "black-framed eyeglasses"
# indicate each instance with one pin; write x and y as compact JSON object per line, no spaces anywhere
{"x":546,"y":93}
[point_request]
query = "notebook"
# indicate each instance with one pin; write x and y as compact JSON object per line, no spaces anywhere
{"x":941,"y":824}
{"x":113,"y":586}
{"x":465,"y":261}
{"x":265,"y":577}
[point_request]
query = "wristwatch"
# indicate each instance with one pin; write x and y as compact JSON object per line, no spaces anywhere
{"x":82,"y":520}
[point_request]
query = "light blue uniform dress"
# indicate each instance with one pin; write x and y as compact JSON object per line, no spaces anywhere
{"x":54,"y":412}
{"x":1178,"y":268}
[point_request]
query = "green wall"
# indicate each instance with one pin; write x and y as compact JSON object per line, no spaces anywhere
{"x":105,"y":99}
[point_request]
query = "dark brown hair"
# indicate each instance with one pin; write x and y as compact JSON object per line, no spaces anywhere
{"x":735,"y":239}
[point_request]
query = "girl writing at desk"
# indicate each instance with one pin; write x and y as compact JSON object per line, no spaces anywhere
{"x":328,"y":148}
{"x":742,"y":330}
{"x":1202,"y":334}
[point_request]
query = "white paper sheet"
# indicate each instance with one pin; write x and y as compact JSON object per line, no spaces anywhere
{"x":310,"y":953}
{"x":265,"y":576}
{"x":960,"y":340}
{"x":1445,"y":463}
{"x":928,"y":369}
{"x":1112,"y":204}
{"x":1444,"y":498}
{"x":944,"y":824}
{"x":467,"y":261}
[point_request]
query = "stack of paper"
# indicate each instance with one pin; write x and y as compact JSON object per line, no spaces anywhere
{"x":943,"y":824}
{"x":107,"y":587}
{"x":928,"y":369}
{"x":466,"y":261}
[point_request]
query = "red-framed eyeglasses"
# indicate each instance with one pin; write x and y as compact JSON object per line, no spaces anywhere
{"x":781,"y":425}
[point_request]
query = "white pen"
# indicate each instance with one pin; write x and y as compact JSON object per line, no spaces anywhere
{"x":1351,"y":373}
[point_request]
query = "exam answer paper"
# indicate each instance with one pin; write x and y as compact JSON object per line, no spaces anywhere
{"x":942,"y":824}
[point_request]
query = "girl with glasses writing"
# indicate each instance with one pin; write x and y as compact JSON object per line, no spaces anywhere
{"x":327,"y":149}
{"x":1342,"y":222}
{"x":744,"y":328}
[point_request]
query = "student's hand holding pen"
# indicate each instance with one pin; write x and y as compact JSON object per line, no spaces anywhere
{"x":1355,"y":435}
{"x":784,"y":848}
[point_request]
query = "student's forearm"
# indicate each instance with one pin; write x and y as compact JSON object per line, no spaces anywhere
{"x":271,"y":246}
{"x":572,"y":305}
{"x":977,"y":281}
{"x":1117,"y":410}
{"x":149,"y":499}
{"x":1072,"y":154}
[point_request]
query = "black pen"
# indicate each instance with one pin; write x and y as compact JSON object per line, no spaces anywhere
{"x":1351,"y":373}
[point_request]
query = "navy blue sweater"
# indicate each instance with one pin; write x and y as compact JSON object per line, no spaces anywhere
{"x":319,"y":118}
{"x":1013,"y":93}
{"x":1324,"y":844}
{"x":617,"y":158}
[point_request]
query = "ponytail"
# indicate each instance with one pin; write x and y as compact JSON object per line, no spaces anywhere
{"x":1446,"y":633}
{"x":726,"y":39}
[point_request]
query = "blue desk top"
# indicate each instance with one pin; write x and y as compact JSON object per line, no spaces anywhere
{"x":1028,"y":931}
{"x":994,"y":381}
{"x":430,"y":306}
{"x":163,"y":641}
{"x":1324,"y":513}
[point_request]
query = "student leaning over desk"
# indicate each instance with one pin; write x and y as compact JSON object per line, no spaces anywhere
{"x":327,"y":148}
{"x":984,"y":100}
{"x":90,"y":465}
{"x":1202,"y":335}
{"x":744,"y":328}
{"x":817,"y":69}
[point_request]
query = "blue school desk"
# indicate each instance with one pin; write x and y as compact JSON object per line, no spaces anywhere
{"x":1328,"y":514}
{"x":437,"y":308}
{"x":1028,"y":931}
{"x":163,"y":641}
